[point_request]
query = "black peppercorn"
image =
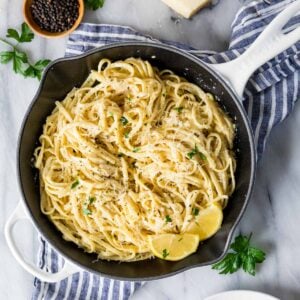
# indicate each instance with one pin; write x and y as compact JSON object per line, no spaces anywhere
{"x":55,"y":15}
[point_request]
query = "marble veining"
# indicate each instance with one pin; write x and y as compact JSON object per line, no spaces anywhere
{"x":272,"y":215}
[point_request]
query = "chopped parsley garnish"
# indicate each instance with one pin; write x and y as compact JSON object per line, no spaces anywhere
{"x":244,"y":256}
{"x":136,"y":150}
{"x":120,"y":154}
{"x":91,"y":200}
{"x":165,"y":253}
{"x":178,"y":109}
{"x":195,"y":211}
{"x":111,"y":114}
{"x":86,"y":211}
{"x":180,"y":239}
{"x":75,"y":184}
{"x":194,"y":152}
{"x":124,"y":121}
{"x":168,"y":219}
{"x":126,"y":134}
{"x":202,"y":156}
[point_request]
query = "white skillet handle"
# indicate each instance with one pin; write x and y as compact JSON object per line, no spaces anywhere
{"x":19,"y":214}
{"x":270,"y":43}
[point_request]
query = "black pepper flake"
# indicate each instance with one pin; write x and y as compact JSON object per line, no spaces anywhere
{"x":55,"y":15}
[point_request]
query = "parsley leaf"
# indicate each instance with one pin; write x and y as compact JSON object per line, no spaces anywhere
{"x":249,"y":265}
{"x":91,"y":200}
{"x":195,"y":211}
{"x":94,"y":4}
{"x":120,"y":154}
{"x":86,"y":211}
{"x":6,"y":57}
{"x":75,"y":184}
{"x":126,"y":134}
{"x":37,"y":69}
{"x":257,"y":254}
{"x":230,"y":264}
{"x":240,"y":243}
{"x":136,"y":150}
{"x":194,"y":152}
{"x":168,"y":219}
{"x":165,"y":253}
{"x":202,"y":156}
{"x":244,"y":256}
{"x":19,"y":59}
{"x":13,"y":34}
{"x":178,"y":109}
{"x":25,"y":36}
{"x":191,"y":154}
{"x":124,"y":121}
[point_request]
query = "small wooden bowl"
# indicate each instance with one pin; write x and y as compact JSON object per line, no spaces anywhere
{"x":35,"y":27}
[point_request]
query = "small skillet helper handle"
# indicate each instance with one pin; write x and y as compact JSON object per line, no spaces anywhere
{"x":19,"y":214}
{"x":271,"y":42}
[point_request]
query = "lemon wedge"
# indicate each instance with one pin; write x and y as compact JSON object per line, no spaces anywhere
{"x":173,"y":247}
{"x":207,"y":222}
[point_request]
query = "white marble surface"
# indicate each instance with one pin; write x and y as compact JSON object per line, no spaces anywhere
{"x":272,"y":214}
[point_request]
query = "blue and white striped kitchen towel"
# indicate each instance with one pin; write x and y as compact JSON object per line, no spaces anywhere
{"x":269,"y":97}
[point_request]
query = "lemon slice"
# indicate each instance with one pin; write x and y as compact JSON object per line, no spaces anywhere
{"x":173,"y":246}
{"x":207,"y":223}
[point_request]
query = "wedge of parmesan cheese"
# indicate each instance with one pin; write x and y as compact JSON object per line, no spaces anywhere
{"x":186,"y":8}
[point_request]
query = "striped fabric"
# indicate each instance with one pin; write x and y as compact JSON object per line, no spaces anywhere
{"x":268,"y":99}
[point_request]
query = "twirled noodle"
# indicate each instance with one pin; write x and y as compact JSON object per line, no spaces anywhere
{"x":129,"y":148}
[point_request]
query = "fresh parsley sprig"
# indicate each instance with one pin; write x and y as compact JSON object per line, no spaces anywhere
{"x":19,"y":59}
{"x":244,"y":256}
{"x":94,"y":4}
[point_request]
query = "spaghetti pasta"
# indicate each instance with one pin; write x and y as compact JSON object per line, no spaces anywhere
{"x":132,"y":153}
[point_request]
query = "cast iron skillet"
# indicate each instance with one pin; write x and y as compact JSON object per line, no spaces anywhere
{"x":59,"y":79}
{"x":63,"y":74}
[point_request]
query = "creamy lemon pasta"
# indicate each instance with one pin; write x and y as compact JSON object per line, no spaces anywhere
{"x":134,"y":152}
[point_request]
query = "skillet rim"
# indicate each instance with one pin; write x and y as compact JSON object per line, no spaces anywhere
{"x":216,"y":76}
